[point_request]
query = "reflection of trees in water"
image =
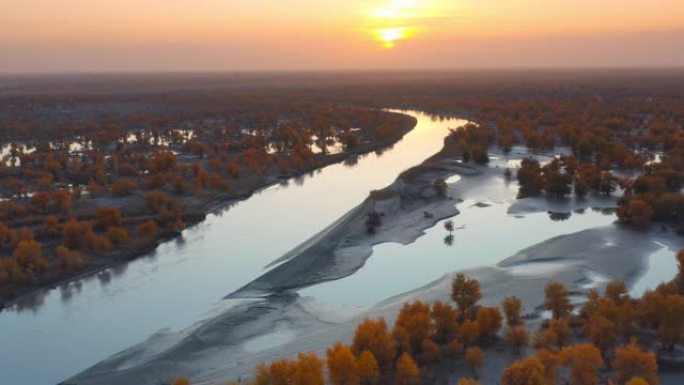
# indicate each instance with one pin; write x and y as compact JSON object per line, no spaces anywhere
{"x":448,"y":226}
{"x":300,"y":179}
{"x":381,"y":151}
{"x":580,"y":211}
{"x":180,"y":241}
{"x":104,"y":277}
{"x":351,"y":162}
{"x":118,"y":270}
{"x":604,"y":210}
{"x":68,"y":290}
{"x":559,"y":216}
{"x":30,"y":302}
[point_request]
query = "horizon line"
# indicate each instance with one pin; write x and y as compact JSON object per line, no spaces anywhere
{"x":340,"y":70}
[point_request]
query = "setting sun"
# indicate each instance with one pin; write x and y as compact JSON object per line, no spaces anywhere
{"x":388,"y":36}
{"x":394,"y":21}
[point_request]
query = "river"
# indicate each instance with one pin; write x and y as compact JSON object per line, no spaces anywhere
{"x":67,"y":329}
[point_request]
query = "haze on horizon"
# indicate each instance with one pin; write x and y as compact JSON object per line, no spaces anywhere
{"x":219,"y":35}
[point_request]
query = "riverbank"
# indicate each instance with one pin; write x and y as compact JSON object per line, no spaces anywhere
{"x":196,"y":210}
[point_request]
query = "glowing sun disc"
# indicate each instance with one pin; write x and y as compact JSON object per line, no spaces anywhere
{"x":388,"y":36}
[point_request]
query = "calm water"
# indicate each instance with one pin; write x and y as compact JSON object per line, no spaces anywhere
{"x":69,"y":329}
{"x":662,"y":267}
{"x":489,"y":236}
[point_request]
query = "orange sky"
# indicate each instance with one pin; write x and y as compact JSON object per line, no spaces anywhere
{"x":149,"y":35}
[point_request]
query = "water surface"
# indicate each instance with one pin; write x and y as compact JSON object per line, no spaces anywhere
{"x":489,"y":235}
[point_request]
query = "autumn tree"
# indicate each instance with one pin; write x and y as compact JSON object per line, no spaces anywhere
{"x":636,"y":212}
{"x":512,"y":306}
{"x":402,"y":339}
{"x":489,"y":319}
{"x":107,"y":217}
{"x":454,"y":347}
{"x":530,"y":178}
{"x":525,"y":372}
{"x":78,"y":235}
{"x":468,"y":381}
{"x":123,"y":187}
{"x":117,"y":235}
{"x":466,"y":293}
{"x":367,"y":368}
{"x":102,"y":244}
{"x":51,"y":225}
{"x":601,"y":332}
{"x":342,"y":365}
{"x":430,"y":351}
{"x":517,"y":337}
{"x":584,"y":362}
{"x":40,"y":200}
{"x":475,"y":358}
{"x":26,"y":234}
{"x":407,"y":371}
{"x":616,"y":291}
{"x":148,"y":228}
{"x":632,"y":361}
{"x":554,"y":336}
{"x":29,"y":257}
{"x":309,"y":370}
{"x":373,"y":336}
{"x":280,"y":372}
{"x":469,"y":332}
{"x":637,"y":381}
{"x":68,"y":259}
{"x":445,"y":319}
{"x":557,"y":300}
{"x":561,"y":330}
{"x":416,"y":319}
{"x":62,"y":199}
{"x":551,"y":363}
{"x":671,"y":330}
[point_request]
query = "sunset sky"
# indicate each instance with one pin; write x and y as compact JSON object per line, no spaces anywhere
{"x":190,"y":35}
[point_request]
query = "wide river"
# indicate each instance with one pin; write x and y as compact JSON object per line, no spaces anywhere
{"x":62,"y":331}
{"x":70,"y":328}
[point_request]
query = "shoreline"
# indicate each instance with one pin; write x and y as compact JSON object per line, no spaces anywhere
{"x":194,"y":216}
